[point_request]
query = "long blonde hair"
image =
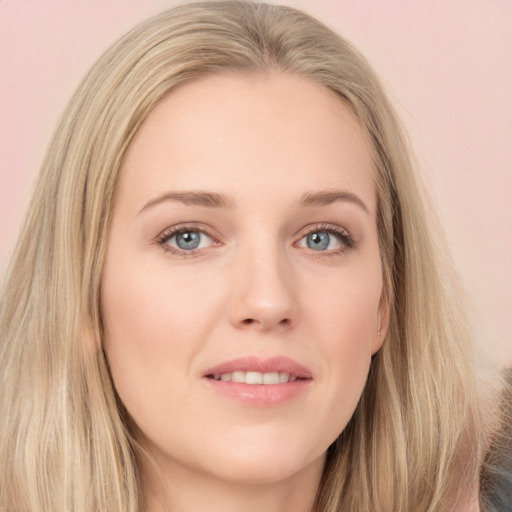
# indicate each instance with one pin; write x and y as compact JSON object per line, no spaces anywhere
{"x":418,"y":431}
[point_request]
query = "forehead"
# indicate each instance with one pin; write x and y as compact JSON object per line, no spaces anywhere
{"x":237,"y":132}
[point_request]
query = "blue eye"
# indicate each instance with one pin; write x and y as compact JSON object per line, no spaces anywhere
{"x":318,"y":241}
{"x":331,"y":239}
{"x":186,"y":240}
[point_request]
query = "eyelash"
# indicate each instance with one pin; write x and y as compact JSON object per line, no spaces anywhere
{"x":345,"y":238}
{"x":169,"y":233}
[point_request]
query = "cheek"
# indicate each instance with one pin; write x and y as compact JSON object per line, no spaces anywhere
{"x":346,"y":313}
{"x":351,"y":332}
{"x":347,"y":348}
{"x":142,"y":325}
{"x":152,"y":306}
{"x":157,"y":319}
{"x":345,"y":327}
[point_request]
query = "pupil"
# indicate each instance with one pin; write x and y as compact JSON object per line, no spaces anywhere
{"x":318,"y":241}
{"x":188,"y":240}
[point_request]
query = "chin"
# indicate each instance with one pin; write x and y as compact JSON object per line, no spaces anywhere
{"x":265,"y":462}
{"x":269,"y":472}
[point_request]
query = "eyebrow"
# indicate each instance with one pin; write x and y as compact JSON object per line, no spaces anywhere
{"x":325,"y":198}
{"x":207,"y":199}
{"x":215,"y":200}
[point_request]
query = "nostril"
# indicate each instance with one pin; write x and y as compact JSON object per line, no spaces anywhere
{"x":265,"y":322}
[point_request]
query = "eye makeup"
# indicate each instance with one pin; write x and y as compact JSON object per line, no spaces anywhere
{"x":188,"y":240}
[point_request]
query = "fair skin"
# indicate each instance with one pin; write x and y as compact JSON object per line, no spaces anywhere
{"x":243,"y":238}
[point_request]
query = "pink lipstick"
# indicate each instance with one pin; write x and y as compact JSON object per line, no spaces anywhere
{"x":259,"y":382}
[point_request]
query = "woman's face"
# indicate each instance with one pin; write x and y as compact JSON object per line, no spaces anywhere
{"x":242,"y":287}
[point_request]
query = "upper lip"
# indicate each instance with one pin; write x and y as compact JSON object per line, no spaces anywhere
{"x":279,"y":364}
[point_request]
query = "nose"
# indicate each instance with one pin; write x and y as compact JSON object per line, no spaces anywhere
{"x":265,"y":296}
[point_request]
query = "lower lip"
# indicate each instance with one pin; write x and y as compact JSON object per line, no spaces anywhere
{"x":263,"y":395}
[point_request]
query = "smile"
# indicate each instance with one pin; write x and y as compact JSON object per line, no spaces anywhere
{"x":270,"y":378}
{"x":257,"y":382}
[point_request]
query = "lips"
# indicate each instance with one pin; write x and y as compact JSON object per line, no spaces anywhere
{"x":262,"y":382}
{"x":264,"y":367}
{"x":267,"y":378}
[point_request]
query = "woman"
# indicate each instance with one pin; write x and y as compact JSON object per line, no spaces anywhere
{"x":227,"y":292}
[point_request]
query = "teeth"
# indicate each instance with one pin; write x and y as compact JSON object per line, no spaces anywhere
{"x":253,"y":378}
{"x":238,"y":377}
{"x":284,"y":377}
{"x":271,"y":378}
{"x":256,"y":377}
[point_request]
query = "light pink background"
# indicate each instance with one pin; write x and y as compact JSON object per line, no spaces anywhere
{"x":446,"y":63}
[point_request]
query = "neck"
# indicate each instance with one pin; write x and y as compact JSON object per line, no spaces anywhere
{"x":185,"y":490}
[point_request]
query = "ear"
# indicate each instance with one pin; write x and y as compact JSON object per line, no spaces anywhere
{"x":381,"y":324}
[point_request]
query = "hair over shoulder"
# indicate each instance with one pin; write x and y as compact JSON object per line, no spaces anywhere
{"x":418,"y":435}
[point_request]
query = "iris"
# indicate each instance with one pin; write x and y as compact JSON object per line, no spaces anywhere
{"x":188,"y":240}
{"x":318,"y":241}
